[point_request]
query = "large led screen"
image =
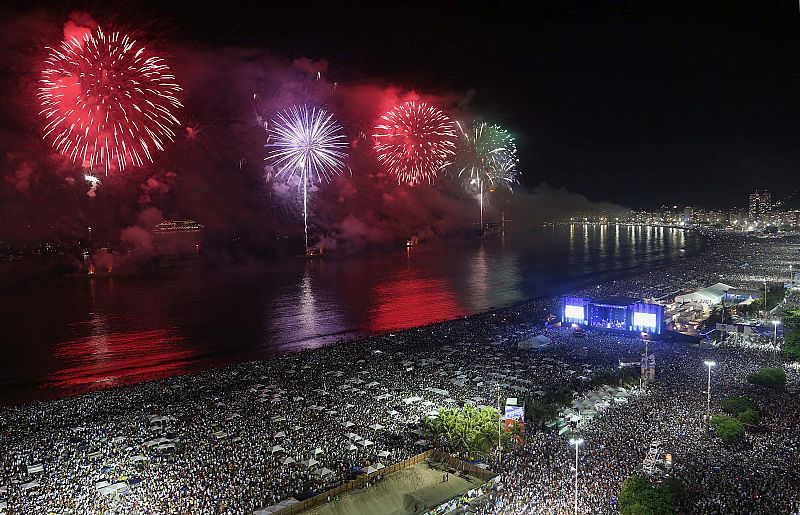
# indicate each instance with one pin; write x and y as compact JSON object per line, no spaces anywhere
{"x":574,"y":312}
{"x":645,"y":320}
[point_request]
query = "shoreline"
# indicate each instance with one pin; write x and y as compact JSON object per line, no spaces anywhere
{"x":219,"y":421}
{"x":42,"y":390}
{"x":363,"y":337}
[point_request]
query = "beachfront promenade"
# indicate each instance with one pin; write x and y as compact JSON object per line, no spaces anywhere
{"x":242,"y":438}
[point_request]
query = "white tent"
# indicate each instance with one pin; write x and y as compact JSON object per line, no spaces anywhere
{"x":37,"y":467}
{"x":287,"y":460}
{"x":376,"y":427}
{"x":280,"y":434}
{"x":709,"y":295}
{"x":347,"y":424}
{"x":380,"y":466}
{"x":309,"y":462}
{"x":277,"y":448}
{"x":366,"y":443}
{"x":322,"y":472}
{"x":350,"y":447}
{"x":384,"y":454}
{"x":370,"y":469}
{"x":318,"y":450}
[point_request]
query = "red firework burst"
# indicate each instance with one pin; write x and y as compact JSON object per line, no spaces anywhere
{"x":107,"y":101}
{"x":414,"y":141}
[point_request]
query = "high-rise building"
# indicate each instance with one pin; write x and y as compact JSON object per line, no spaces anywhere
{"x":760,"y":203}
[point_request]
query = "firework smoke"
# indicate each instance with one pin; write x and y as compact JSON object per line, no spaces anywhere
{"x":106,"y":101}
{"x":306,"y":144}
{"x":414,"y":142}
{"x":486,"y":157}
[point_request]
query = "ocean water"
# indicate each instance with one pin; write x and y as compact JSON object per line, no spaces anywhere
{"x":79,"y":334}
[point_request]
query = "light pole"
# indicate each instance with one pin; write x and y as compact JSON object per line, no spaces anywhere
{"x":646,"y":362}
{"x":775,"y":338}
{"x":577,"y":443}
{"x":765,"y":302}
{"x":499,"y":427}
{"x":709,"y":364}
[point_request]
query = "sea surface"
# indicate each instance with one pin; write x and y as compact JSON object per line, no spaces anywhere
{"x":77,"y":334}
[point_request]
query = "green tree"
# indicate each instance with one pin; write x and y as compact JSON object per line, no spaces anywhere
{"x":634,"y":488}
{"x":768,"y":377}
{"x":675,"y":489}
{"x":736,"y":405}
{"x":639,"y":497}
{"x":470,"y":430}
{"x":729,"y":429}
{"x":748,"y":417}
{"x":560,"y":397}
{"x":539,"y":413}
{"x":791,"y":321}
{"x":791,"y":334}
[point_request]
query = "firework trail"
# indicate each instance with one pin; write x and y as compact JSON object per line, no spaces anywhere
{"x":414,"y":141}
{"x":107,"y":101}
{"x":486,"y":156}
{"x":306,"y":143}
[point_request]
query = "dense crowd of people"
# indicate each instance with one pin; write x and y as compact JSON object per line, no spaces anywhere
{"x":238,"y":439}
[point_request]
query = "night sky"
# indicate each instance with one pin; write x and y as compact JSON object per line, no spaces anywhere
{"x":632,"y":102}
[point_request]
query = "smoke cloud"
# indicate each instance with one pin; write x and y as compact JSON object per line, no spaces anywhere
{"x":214,"y":172}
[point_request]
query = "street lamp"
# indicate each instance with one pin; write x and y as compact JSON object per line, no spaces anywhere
{"x":646,"y":363}
{"x":765,"y":302}
{"x":499,"y":427}
{"x":577,"y":442}
{"x":775,"y":337}
{"x":709,"y":364}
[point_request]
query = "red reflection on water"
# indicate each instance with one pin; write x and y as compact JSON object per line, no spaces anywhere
{"x":116,"y":359}
{"x":410,"y":301}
